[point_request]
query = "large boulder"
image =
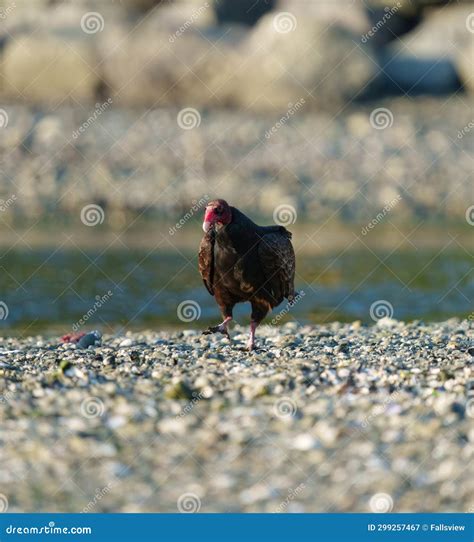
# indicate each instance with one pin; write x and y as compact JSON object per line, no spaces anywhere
{"x":42,"y":67}
{"x":438,"y":55}
{"x":176,"y":56}
{"x":49,"y":55}
{"x":300,"y":52}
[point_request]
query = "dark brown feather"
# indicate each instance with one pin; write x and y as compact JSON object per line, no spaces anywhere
{"x":206,"y":260}
{"x":277,"y":258}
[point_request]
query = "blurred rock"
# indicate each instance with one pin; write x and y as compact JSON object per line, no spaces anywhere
{"x":167,"y":60}
{"x":43,"y":67}
{"x":292,"y":55}
{"x":437,"y":57}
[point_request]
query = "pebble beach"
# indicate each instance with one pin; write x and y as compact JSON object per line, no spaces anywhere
{"x":325,"y":418}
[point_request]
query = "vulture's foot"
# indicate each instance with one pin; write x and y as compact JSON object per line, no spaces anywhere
{"x":221,"y":328}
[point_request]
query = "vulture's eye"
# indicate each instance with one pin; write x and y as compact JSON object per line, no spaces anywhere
{"x":219,"y":210}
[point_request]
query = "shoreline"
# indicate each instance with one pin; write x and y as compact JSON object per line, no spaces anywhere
{"x":153,"y":415}
{"x":308,"y":238}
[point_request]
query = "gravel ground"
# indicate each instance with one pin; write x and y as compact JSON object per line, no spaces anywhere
{"x":338,"y":417}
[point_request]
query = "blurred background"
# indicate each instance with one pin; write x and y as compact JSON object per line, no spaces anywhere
{"x":349,"y":122}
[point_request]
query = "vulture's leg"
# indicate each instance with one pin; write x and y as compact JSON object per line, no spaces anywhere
{"x":260,"y":309}
{"x":251,"y":341}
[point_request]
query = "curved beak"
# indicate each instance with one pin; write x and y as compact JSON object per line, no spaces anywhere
{"x":206,"y":226}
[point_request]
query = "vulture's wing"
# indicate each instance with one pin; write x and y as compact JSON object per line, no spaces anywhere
{"x":206,"y":261}
{"x":277,"y":258}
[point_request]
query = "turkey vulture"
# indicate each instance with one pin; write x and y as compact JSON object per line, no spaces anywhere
{"x":240,"y":261}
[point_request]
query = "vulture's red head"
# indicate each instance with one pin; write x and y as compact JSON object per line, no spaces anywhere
{"x":217,"y":212}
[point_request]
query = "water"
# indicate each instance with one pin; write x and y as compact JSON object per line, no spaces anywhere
{"x":50,"y":290}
